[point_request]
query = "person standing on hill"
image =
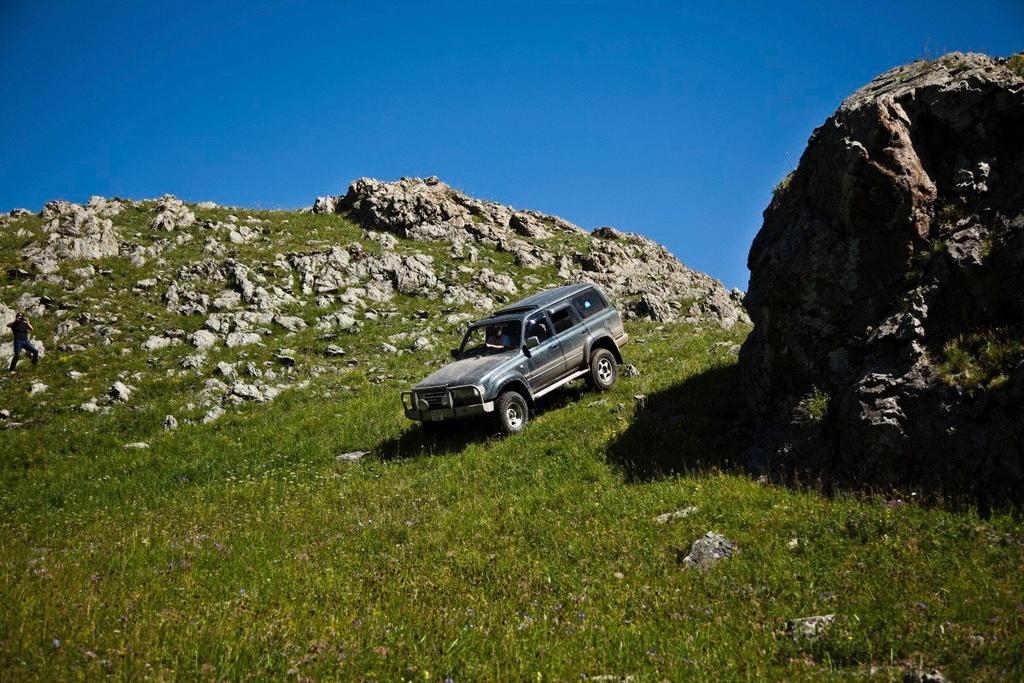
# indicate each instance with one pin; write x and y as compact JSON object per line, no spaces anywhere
{"x":22,"y":329}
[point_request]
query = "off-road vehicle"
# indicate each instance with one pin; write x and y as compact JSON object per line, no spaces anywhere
{"x":518,"y":354}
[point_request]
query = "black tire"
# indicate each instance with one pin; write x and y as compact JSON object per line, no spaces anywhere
{"x":604,"y":370}
{"x":512,"y":412}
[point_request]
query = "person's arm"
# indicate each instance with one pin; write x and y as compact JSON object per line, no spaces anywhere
{"x":30,"y":328}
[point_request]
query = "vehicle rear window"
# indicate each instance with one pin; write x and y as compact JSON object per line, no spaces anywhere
{"x":562,"y":319}
{"x":588,"y":303}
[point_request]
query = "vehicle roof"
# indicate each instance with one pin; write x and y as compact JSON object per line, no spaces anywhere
{"x":542,"y":299}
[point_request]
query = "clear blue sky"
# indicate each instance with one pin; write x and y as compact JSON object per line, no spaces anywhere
{"x":671,"y":119}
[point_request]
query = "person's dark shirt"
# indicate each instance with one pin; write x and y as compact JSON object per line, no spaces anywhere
{"x":20,"y":328}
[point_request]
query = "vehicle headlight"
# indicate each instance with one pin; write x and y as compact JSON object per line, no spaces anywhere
{"x":465,"y":395}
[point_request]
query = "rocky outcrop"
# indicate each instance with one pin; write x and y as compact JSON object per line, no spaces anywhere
{"x":171,"y":214}
{"x":653,"y":282}
{"x":886,"y":289}
{"x":637,"y":272}
{"x":75,"y":232}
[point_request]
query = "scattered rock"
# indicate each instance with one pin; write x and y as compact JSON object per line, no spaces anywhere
{"x":629,"y":370}
{"x":226,"y":299}
{"x":214,"y":413}
{"x":246,"y":392}
{"x":170,"y":423}
{"x":641,"y":401}
{"x":421,"y":344}
{"x":681,"y":513}
{"x":226,"y":369}
{"x":37,"y":388}
{"x":916,"y":675}
{"x":809,"y":628}
{"x":89,"y":406}
{"x":292,"y":323}
{"x":5,"y":414}
{"x":501,"y":283}
{"x":137,"y":445}
{"x":202,"y":339}
{"x":155,"y":343}
{"x":334,"y":350}
{"x":120,"y":391}
{"x":242,"y":339}
{"x":708,"y":550}
{"x":352,"y":456}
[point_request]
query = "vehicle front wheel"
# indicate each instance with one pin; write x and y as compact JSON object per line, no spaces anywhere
{"x":603,"y":370}
{"x":512,"y":412}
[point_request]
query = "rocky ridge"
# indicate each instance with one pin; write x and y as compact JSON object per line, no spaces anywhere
{"x":635,"y":270}
{"x":210,"y":295}
{"x":885,"y":289}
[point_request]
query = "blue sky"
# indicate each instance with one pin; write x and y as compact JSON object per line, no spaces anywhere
{"x":670,"y":119}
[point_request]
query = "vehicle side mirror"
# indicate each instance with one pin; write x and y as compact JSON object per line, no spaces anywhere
{"x":531,"y":342}
{"x":454,"y":353}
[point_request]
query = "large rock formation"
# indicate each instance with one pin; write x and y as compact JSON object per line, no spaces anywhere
{"x":633,"y":269}
{"x":75,"y":232}
{"x":886,"y":288}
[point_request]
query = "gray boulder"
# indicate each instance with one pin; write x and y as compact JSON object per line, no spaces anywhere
{"x":709,"y":550}
{"x":202,"y":339}
{"x":879,"y":278}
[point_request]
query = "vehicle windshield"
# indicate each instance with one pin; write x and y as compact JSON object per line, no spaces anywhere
{"x":485,"y":340}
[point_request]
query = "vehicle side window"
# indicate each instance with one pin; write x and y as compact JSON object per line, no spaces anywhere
{"x":563,"y":318}
{"x":588,"y":303}
{"x":537,"y":326}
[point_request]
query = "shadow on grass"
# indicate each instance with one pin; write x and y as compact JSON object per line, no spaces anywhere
{"x":697,"y":426}
{"x":453,"y":436}
{"x":689,"y":427}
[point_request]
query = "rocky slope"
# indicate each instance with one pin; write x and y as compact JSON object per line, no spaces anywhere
{"x":886,"y":288}
{"x":231,"y":306}
{"x":635,"y":270}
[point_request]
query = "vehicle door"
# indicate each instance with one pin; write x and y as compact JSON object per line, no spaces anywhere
{"x":570,"y":333}
{"x":546,"y":361}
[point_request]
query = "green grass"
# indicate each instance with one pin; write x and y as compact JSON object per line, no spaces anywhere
{"x":982,"y":359}
{"x":1016,"y":64}
{"x":244,"y":549}
{"x":783,"y":184}
{"x":813,"y":407}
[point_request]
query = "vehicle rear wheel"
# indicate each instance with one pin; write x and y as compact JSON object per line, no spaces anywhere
{"x":512,"y":412}
{"x":604,"y":370}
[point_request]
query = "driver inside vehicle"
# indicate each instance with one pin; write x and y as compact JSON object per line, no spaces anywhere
{"x":498,"y":337}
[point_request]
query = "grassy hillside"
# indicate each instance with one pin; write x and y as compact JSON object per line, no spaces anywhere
{"x":244,"y":548}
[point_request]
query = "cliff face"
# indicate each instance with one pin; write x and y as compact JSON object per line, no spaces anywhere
{"x":887,"y":288}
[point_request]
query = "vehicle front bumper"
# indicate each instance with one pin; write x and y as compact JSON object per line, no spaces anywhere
{"x":448,"y":412}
